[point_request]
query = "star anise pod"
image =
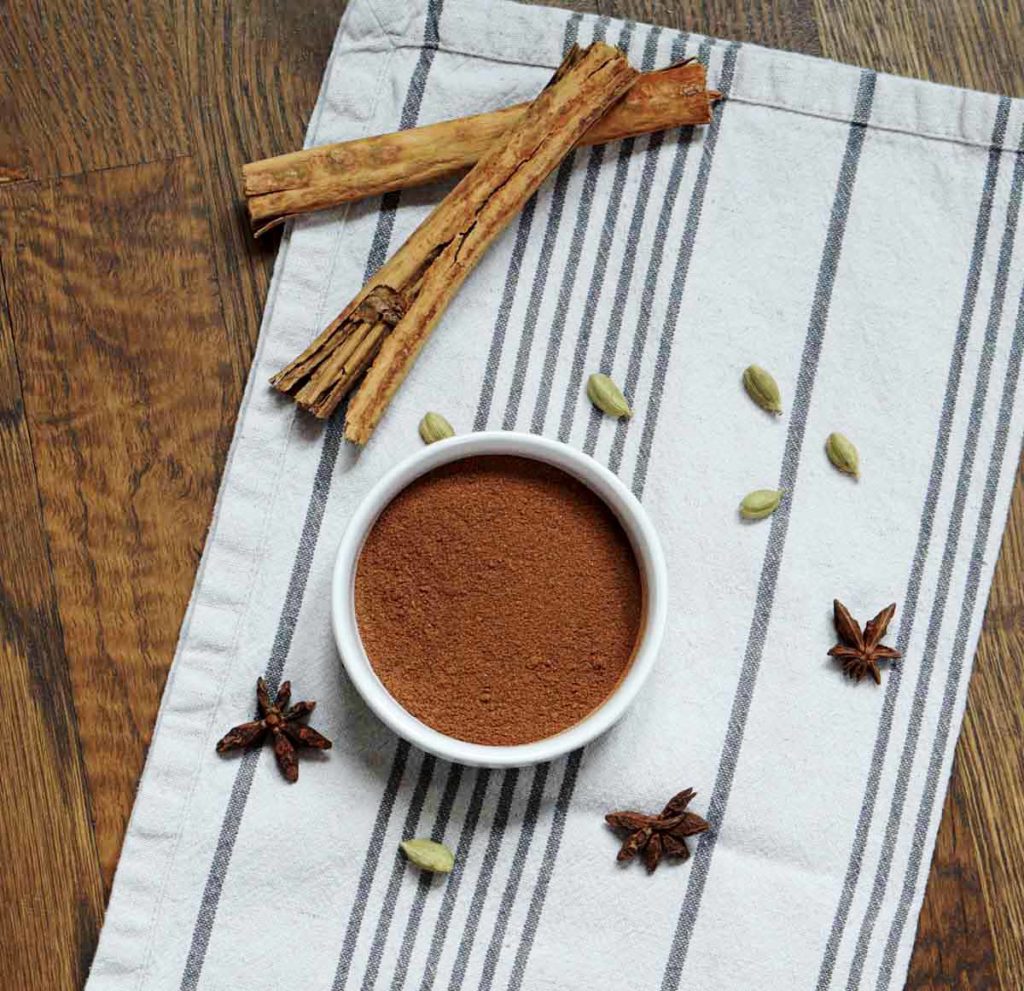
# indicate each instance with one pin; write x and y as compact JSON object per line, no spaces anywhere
{"x":858,"y":652}
{"x":656,"y":836}
{"x":281,"y":721}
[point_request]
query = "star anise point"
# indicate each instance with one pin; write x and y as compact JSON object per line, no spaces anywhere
{"x":278,"y":719}
{"x":657,"y":836}
{"x":859,"y":651}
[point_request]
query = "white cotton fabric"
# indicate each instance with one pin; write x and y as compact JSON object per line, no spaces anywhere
{"x":857,"y":235}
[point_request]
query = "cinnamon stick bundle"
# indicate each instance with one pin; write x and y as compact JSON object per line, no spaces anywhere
{"x":318,"y":178}
{"x":384,"y":328}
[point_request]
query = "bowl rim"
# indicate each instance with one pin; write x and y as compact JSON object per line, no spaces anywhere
{"x":646,"y":547}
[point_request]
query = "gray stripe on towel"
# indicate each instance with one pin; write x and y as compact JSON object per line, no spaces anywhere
{"x":532,"y":923}
{"x":949,"y":556}
{"x":426,"y":879}
{"x":1006,"y":410}
{"x":679,"y":278}
{"x":908,"y":606}
{"x":497,"y":834}
{"x":777,"y":537}
{"x":369,"y":869}
{"x":631,"y":249}
{"x":604,"y":245}
{"x":473,"y":811}
{"x":508,"y":295}
{"x":515,"y":875}
{"x":549,"y":860}
{"x":661,"y":238}
{"x":451,"y":888}
{"x":570,"y":270}
{"x":547,"y":867}
{"x":387,"y":909}
{"x":564,"y":797}
{"x":206,"y":916}
{"x":532,"y":810}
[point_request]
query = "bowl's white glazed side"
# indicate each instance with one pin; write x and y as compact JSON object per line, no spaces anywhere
{"x":645,"y":545}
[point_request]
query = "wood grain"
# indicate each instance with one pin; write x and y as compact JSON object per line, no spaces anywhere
{"x":778,"y":23}
{"x":53,"y":895}
{"x":86,"y":86}
{"x":988,"y":781}
{"x":129,"y":399}
{"x":976,"y":44}
{"x":130,"y":302}
{"x":251,"y":73}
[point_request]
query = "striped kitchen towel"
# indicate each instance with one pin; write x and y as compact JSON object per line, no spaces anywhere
{"x":855,"y":233}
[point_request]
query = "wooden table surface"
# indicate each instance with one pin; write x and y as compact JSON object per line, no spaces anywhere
{"x":130,"y":300}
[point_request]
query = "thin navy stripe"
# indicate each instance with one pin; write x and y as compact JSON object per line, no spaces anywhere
{"x":387,"y":909}
{"x":679,"y":276}
{"x":924,"y":815}
{"x":777,"y":537}
{"x":547,"y":867}
{"x":480,"y":422}
{"x":500,"y":821}
{"x":924,"y":534}
{"x":451,"y":889}
{"x":426,"y":880}
{"x":508,"y":295}
{"x":515,"y":876}
{"x":631,"y":249}
{"x":949,"y":555}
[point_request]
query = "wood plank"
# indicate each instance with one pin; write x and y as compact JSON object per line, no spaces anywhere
{"x":86,"y":85}
{"x":955,"y":945}
{"x":779,"y":23}
{"x":130,"y":399}
{"x":989,"y":771}
{"x":976,"y":44}
{"x":251,"y":73}
{"x":54,"y":897}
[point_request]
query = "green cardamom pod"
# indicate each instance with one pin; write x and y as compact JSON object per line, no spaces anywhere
{"x":607,"y":396}
{"x":760,"y":503}
{"x":429,"y":856}
{"x":762,"y":388}
{"x":434,"y":427}
{"x":843,"y":454}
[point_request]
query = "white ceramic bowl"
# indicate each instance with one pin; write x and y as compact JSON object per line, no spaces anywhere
{"x":649,"y":558}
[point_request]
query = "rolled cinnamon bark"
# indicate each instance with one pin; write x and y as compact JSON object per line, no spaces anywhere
{"x":392,"y":317}
{"x":319,"y":178}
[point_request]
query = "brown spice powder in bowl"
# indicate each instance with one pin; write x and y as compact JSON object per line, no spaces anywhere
{"x":498,"y":599}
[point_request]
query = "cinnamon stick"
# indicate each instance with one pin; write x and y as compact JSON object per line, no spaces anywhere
{"x":318,"y":178}
{"x":393,"y":315}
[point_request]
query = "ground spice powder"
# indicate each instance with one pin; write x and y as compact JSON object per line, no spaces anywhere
{"x":498,"y":599}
